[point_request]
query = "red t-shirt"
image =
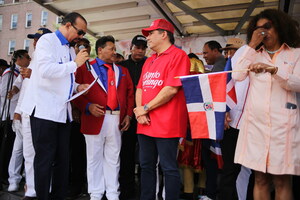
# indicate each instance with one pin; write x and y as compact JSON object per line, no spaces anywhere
{"x":170,"y":119}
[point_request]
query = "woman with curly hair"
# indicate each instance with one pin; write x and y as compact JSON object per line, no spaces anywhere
{"x":269,"y":139}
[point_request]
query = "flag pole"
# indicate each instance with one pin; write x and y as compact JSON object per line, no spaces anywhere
{"x":240,"y":70}
{"x":194,"y":75}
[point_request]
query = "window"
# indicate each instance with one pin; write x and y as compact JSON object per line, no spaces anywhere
{"x":14,"y":21}
{"x":28,"y":20}
{"x":1,"y":19}
{"x":1,"y":2}
{"x":26,"y":44}
{"x":58,"y":20}
{"x":11,"y":47}
{"x":16,"y":1}
{"x":44,"y":19}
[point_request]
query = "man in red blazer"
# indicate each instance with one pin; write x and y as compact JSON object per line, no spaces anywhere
{"x":106,"y":112}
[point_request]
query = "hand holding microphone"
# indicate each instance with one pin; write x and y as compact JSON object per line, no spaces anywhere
{"x":83,"y":57}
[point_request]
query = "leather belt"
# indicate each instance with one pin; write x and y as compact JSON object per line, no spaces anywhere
{"x":112,"y":112}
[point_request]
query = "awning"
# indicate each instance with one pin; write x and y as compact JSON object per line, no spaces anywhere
{"x":125,"y":18}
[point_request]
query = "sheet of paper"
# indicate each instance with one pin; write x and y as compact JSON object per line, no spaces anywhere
{"x":82,"y":92}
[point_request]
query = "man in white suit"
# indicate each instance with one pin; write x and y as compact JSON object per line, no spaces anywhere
{"x":51,"y":85}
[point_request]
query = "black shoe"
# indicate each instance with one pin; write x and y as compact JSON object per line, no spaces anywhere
{"x":127,"y":195}
{"x":74,"y":193}
{"x":187,"y":196}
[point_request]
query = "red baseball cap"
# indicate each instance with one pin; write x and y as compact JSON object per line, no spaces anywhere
{"x":158,"y":24}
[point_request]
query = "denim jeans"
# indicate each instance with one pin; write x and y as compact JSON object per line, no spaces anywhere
{"x":166,"y":149}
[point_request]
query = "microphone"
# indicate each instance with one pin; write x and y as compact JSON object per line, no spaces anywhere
{"x":87,"y":63}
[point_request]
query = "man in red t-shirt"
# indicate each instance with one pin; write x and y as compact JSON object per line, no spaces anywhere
{"x":161,"y":111}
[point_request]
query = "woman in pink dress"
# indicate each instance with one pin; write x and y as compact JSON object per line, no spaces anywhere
{"x":269,"y":139}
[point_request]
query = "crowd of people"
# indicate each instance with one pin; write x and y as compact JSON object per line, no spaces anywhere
{"x":90,"y":143}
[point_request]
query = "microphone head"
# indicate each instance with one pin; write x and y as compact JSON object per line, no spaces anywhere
{"x":81,"y":47}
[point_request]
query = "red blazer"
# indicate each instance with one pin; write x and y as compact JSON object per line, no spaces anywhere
{"x":90,"y":124}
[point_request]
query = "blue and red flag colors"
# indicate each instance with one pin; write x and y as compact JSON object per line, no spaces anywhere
{"x":206,"y":103}
{"x":216,"y":153}
{"x":231,"y":99}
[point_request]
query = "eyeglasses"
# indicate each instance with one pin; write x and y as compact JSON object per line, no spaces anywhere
{"x":266,"y":26}
{"x":79,"y":31}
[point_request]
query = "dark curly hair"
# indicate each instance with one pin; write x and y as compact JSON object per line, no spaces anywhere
{"x":287,"y":28}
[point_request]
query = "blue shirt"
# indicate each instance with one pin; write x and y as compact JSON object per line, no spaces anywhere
{"x":63,"y":40}
{"x":101,"y":72}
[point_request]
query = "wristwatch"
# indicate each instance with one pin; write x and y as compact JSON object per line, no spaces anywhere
{"x":146,"y":108}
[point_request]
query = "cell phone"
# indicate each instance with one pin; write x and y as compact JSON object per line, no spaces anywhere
{"x":289,"y":105}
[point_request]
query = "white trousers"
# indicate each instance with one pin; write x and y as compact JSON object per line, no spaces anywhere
{"x":242,"y":182}
{"x":16,"y":159}
{"x":103,"y":159}
{"x":23,"y":147}
{"x":28,"y":153}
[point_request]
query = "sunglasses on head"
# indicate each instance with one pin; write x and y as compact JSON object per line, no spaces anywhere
{"x":79,"y":31}
{"x":266,"y":26}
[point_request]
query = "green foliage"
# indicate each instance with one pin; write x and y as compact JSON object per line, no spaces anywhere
{"x":92,"y":43}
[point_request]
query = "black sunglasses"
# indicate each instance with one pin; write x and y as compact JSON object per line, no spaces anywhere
{"x":266,"y":26}
{"x":79,"y":31}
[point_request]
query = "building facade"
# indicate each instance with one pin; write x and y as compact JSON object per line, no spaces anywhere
{"x":19,"y":18}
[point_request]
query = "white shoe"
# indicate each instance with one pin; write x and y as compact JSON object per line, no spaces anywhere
{"x":205,"y":198}
{"x":95,"y":198}
{"x":13,"y":187}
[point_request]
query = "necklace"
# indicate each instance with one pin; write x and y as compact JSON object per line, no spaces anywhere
{"x":272,"y":52}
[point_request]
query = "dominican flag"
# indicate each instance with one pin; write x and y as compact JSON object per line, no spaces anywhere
{"x":230,"y":89}
{"x":206,"y":103}
{"x":216,"y":153}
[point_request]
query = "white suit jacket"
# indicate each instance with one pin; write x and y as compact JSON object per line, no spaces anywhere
{"x":3,"y":93}
{"x":52,"y":80}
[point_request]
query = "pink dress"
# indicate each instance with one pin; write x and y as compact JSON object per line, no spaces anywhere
{"x":269,"y":138}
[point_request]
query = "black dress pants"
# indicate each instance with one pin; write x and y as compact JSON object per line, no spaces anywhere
{"x":127,"y":162}
{"x":7,"y":138}
{"x":211,"y":167}
{"x":51,"y":161}
{"x":230,"y":170}
{"x":77,"y":160}
{"x":296,"y":186}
